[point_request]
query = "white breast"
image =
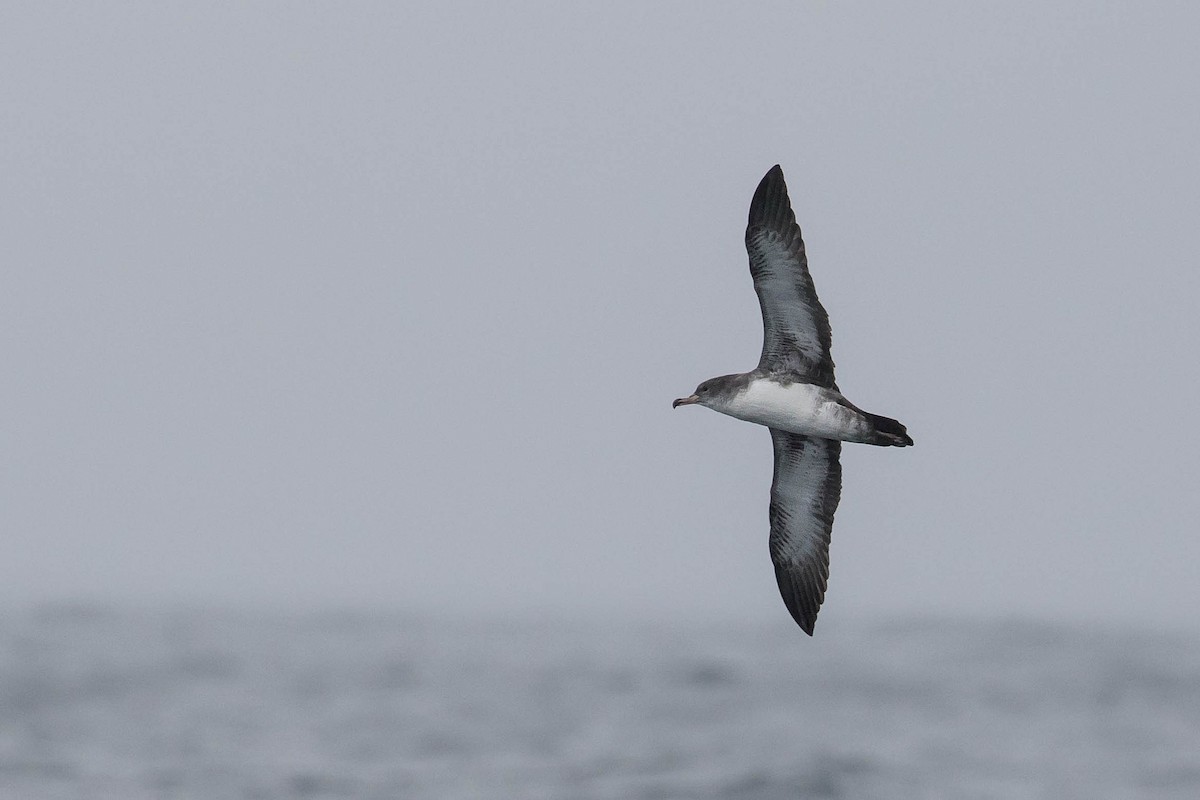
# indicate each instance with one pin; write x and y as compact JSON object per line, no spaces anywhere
{"x":798,"y":408}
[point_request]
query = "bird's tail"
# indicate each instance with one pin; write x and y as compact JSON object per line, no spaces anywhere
{"x":888,"y":432}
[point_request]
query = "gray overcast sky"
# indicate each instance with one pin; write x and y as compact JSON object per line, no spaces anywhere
{"x":387,"y":303}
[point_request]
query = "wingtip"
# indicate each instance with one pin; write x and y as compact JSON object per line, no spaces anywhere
{"x":807,"y":624}
{"x":803,"y":603}
{"x":774,"y":175}
{"x":770,"y":206}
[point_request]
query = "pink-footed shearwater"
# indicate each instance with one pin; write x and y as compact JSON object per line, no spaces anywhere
{"x":792,"y":391}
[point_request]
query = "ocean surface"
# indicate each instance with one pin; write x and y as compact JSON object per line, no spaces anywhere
{"x":194,"y":704}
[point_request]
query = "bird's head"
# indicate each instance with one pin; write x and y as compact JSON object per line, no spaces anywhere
{"x":714,"y":391}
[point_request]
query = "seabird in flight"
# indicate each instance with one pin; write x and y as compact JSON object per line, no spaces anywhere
{"x":792,"y":392}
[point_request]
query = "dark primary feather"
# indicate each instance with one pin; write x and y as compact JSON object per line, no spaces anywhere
{"x":804,"y":496}
{"x":796,"y":335}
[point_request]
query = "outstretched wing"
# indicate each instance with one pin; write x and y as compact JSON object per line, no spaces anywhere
{"x":804,"y":494}
{"x":796,"y":335}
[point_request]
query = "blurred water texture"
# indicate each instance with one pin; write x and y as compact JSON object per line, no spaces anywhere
{"x":192,"y":704}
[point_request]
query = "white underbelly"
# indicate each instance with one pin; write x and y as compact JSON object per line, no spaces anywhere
{"x":798,"y":408}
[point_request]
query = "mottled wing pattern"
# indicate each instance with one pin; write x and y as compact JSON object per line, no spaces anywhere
{"x":804,"y":495}
{"x":796,"y":334}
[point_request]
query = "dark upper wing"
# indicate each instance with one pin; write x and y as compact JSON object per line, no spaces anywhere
{"x":804,"y":495}
{"x":796,"y":333}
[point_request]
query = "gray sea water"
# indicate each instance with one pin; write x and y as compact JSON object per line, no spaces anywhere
{"x":191,"y":704}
